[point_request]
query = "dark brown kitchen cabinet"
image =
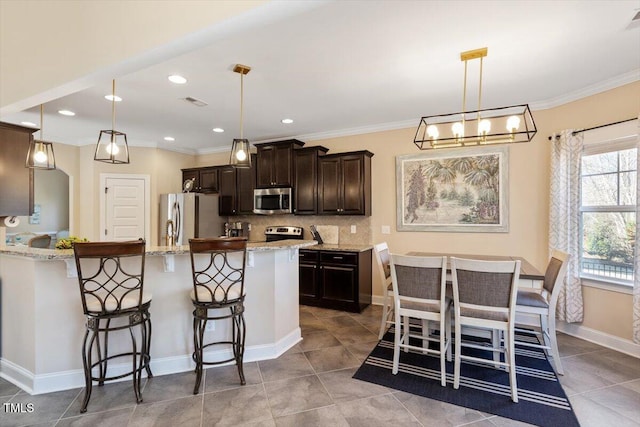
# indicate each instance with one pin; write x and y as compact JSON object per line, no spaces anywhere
{"x":205,"y":179}
{"x":16,"y":193}
{"x":344,"y":183}
{"x":339,"y":280}
{"x":236,"y":187}
{"x":227,"y":198}
{"x":274,"y":165}
{"x":305,"y":183}
{"x":245,"y":184}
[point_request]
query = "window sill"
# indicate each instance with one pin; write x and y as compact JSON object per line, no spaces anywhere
{"x":623,"y":288}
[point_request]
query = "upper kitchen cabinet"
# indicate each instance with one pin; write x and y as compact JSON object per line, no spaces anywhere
{"x":16,"y":193}
{"x":228,"y":199}
{"x":274,"y":165}
{"x":205,"y":179}
{"x":245,"y":184}
{"x":344,"y":183}
{"x":305,"y":184}
{"x":236,"y":189}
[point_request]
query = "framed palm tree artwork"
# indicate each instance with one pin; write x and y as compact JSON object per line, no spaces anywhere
{"x":454,"y":190}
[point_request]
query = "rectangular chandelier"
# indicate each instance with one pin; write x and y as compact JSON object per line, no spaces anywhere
{"x":503,"y":125}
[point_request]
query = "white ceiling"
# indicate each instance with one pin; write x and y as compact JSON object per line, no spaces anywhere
{"x":349,"y":67}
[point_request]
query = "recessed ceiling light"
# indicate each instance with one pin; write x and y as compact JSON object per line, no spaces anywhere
{"x":179,"y":80}
{"x":287,"y":121}
{"x":169,"y":138}
{"x":29,"y":124}
{"x":218,"y":130}
{"x":113,"y":98}
{"x":66,"y":113}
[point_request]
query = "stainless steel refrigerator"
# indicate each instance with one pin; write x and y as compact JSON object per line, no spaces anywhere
{"x":188,"y":215}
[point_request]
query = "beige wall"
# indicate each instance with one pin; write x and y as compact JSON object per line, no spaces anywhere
{"x":92,"y":35}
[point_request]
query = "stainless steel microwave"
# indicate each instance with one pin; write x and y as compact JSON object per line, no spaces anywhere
{"x":271,"y":201}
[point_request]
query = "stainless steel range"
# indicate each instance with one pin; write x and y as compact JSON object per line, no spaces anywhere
{"x":283,"y":232}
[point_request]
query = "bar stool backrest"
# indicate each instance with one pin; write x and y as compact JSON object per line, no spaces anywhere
{"x":218,"y":266}
{"x":384,"y":259}
{"x":111,"y":276}
{"x":418,"y":279}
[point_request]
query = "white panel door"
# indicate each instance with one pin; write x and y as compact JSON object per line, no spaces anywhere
{"x":125,"y":209}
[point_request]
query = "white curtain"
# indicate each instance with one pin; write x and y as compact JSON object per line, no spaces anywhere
{"x":564,"y":226}
{"x":636,"y":275}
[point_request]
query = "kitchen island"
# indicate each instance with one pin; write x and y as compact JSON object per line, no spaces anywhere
{"x":43,"y":324}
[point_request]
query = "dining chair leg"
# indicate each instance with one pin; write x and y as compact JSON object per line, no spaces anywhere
{"x":554,"y":344}
{"x":396,"y":344}
{"x":510,"y":354}
{"x":456,"y":363}
{"x":406,"y":330}
{"x":447,"y":328}
{"x":495,"y":343}
{"x":426,"y":333}
{"x":386,"y":308}
{"x":443,"y":351}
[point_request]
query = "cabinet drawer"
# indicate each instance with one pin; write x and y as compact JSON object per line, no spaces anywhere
{"x":308,"y":256}
{"x":339,"y":258}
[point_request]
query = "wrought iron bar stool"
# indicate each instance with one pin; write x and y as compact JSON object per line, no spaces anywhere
{"x":218,"y":285}
{"x":111,"y":278}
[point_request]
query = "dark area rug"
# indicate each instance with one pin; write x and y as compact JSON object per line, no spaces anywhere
{"x":542,"y":400}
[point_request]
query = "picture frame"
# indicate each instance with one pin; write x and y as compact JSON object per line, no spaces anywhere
{"x":453,"y":190}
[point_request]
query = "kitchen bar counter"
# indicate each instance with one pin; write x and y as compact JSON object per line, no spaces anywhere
{"x":43,"y":324}
{"x":61,"y":254}
{"x":341,"y":247}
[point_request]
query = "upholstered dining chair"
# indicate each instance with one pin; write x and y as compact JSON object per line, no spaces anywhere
{"x":384,"y":272}
{"x":41,"y":241}
{"x":419,"y":292}
{"x":542,"y":303}
{"x":484,"y":296}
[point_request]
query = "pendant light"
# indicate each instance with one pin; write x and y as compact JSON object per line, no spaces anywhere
{"x":40,"y":154}
{"x":112,"y":145}
{"x":503,"y":125}
{"x":240,"y":155}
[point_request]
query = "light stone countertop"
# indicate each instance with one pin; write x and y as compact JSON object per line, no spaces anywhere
{"x":346,"y":247}
{"x":62,"y":254}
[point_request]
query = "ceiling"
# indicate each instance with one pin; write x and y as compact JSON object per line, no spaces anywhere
{"x":347,"y":67}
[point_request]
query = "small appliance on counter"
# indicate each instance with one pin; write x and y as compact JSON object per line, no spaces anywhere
{"x":237,"y":229}
{"x":283,"y":232}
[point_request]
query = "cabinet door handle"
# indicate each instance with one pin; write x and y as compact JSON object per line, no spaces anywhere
{"x":338,"y":257}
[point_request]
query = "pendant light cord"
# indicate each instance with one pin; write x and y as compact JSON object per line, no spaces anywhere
{"x":480,"y":90}
{"x":41,"y":123}
{"x":113,"y":104}
{"x":241,"y":103}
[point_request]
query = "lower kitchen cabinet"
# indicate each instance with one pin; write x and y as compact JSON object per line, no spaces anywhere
{"x":339,"y":280}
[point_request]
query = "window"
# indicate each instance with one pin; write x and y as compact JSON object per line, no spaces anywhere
{"x":607,"y":213}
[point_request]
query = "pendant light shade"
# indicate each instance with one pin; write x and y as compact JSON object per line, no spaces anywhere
{"x":112,"y":146}
{"x":40,"y":154}
{"x":503,"y":125}
{"x":240,"y":156}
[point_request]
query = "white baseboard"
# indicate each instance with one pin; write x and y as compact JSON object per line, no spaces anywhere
{"x":65,"y":380}
{"x":598,"y":337}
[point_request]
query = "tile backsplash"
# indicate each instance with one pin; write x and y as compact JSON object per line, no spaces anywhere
{"x":362,"y":236}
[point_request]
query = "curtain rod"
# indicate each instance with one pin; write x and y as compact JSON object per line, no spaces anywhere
{"x":575,"y":132}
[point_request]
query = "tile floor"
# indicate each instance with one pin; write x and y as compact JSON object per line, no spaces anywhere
{"x":311,"y":385}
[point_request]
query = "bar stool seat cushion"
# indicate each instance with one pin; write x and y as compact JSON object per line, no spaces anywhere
{"x":111,"y":304}
{"x":204,"y":295}
{"x":531,"y":299}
